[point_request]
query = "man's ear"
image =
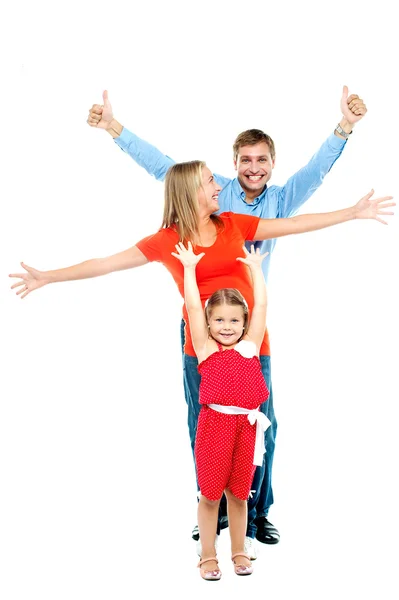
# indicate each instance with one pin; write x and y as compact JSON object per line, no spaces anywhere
{"x":235,"y":164}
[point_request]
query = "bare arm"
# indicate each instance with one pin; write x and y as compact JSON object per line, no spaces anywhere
{"x":364,"y":209}
{"x":34,"y":279}
{"x":192,"y":299}
{"x":257,"y":324}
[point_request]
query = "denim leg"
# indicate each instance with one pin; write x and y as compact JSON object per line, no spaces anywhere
{"x":191,"y":383}
{"x":266,"y":492}
{"x":262,"y":497}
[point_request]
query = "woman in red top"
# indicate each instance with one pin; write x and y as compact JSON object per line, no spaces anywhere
{"x":191,"y":199}
{"x":230,"y":433}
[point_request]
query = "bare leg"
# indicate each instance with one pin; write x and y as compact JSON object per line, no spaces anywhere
{"x":207,"y":523}
{"x":237,"y":514}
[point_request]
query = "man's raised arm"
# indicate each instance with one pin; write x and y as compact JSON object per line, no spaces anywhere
{"x":145,"y":155}
{"x":304,"y":183}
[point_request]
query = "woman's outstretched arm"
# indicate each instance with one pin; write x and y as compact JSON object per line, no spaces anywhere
{"x":33,"y":279}
{"x":364,"y":209}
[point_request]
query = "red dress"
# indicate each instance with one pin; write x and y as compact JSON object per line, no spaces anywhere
{"x":224,"y":444}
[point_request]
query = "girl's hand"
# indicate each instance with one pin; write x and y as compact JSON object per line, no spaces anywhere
{"x":186,"y":255}
{"x":31,"y":280}
{"x":370,"y":209}
{"x":253,"y":259}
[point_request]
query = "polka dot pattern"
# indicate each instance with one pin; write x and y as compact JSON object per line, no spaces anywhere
{"x":224,"y":446}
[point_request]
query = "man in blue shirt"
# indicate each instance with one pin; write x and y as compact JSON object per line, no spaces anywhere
{"x":248,"y":193}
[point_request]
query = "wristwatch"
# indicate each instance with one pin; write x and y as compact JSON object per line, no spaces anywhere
{"x":344,"y":134}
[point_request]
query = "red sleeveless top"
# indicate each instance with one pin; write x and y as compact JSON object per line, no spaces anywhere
{"x":230,"y":379}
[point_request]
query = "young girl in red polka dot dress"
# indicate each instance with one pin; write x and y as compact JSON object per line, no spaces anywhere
{"x":230,"y":433}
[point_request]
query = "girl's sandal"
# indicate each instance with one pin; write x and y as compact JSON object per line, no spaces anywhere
{"x":242,"y":569}
{"x":209,"y":575}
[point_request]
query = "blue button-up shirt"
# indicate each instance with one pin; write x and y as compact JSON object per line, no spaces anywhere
{"x":273,"y":203}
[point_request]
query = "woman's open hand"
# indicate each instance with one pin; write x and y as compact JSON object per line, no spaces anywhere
{"x":31,"y":280}
{"x":370,"y":209}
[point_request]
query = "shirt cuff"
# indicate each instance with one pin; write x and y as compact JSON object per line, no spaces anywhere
{"x":125,"y":139}
{"x":335,"y":142}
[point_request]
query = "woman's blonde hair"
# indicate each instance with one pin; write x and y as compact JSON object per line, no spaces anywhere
{"x":182,"y":182}
{"x":231,"y":297}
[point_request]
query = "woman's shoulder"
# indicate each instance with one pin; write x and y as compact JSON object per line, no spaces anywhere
{"x":229,"y":221}
{"x":158,"y":245}
{"x":237,"y":219}
{"x":168,"y":231}
{"x":227,"y":216}
{"x":166,"y":235}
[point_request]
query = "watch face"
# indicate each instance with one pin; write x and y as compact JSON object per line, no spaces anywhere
{"x":341,"y":131}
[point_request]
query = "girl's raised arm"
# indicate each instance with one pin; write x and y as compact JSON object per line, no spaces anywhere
{"x":257,"y":323}
{"x":192,"y":299}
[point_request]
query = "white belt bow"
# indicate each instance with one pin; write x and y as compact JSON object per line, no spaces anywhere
{"x":262,"y":423}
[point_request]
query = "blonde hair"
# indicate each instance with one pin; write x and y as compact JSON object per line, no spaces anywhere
{"x":182,"y":182}
{"x":231,"y":297}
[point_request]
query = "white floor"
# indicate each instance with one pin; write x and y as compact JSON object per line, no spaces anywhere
{"x":97,"y":497}
{"x":98,"y":492}
{"x":83,"y":518}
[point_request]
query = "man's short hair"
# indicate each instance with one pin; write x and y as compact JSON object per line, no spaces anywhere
{"x":250,"y":137}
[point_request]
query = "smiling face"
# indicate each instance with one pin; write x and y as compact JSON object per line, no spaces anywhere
{"x":254,"y":166}
{"x":226,"y":323}
{"x":208,"y":194}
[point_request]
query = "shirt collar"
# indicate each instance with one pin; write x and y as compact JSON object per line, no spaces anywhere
{"x":239,"y":192}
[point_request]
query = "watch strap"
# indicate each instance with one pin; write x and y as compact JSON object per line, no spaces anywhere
{"x":344,"y":134}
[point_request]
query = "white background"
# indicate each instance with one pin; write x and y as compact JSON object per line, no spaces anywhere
{"x":98,"y":491}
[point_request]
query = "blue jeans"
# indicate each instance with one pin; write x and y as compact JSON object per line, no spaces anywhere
{"x":262,"y":493}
